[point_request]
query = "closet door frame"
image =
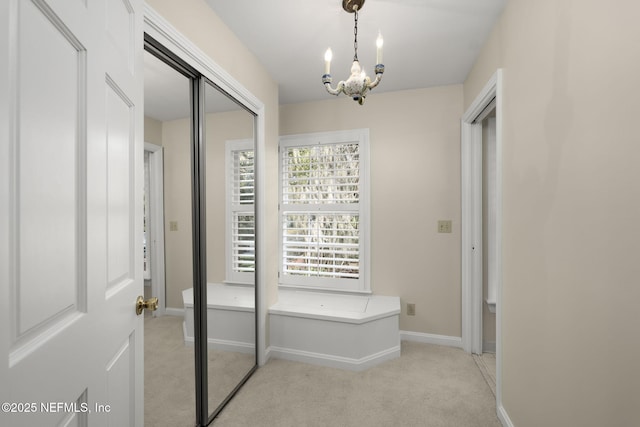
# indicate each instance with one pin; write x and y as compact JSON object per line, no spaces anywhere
{"x":158,"y":28}
{"x":163,"y":42}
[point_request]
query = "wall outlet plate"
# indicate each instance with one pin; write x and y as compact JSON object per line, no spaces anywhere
{"x":411,"y":309}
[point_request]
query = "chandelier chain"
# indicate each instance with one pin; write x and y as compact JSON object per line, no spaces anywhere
{"x":355,"y":34}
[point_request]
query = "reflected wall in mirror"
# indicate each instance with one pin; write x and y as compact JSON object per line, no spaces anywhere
{"x":169,"y":362}
{"x":230,"y":225}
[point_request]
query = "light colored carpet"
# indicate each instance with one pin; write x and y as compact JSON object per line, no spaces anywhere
{"x":487,"y":364}
{"x":427,"y":386}
{"x":169,"y":388}
{"x":169,"y":374}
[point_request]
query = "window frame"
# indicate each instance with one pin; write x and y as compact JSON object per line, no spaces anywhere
{"x":362,"y":284}
{"x":232,"y":276}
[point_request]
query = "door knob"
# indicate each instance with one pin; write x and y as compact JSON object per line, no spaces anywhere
{"x":149,"y":304}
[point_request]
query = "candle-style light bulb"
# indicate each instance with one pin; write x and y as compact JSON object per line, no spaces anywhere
{"x":379,"y":43}
{"x":327,"y":60}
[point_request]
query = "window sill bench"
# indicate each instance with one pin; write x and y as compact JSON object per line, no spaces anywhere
{"x":343,"y":331}
{"x":230,"y":317}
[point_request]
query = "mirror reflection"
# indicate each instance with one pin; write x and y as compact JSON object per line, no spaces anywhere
{"x":228,"y":143}
{"x":169,"y":358}
{"x":230,"y":219}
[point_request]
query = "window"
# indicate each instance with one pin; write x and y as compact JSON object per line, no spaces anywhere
{"x":240,"y":236}
{"x":324,"y":210}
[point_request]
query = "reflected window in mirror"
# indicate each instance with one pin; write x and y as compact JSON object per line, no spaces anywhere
{"x":240,"y":197}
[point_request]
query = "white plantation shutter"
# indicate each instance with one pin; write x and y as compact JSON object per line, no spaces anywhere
{"x":321,"y":245}
{"x":240,"y":212}
{"x":322,"y":211}
{"x":242,"y":183}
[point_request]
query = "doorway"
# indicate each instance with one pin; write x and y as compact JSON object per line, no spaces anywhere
{"x":486,"y":359}
{"x":153,"y":262}
{"x":481,"y":170}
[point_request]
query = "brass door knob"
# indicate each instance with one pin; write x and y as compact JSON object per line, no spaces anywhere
{"x":142,"y":304}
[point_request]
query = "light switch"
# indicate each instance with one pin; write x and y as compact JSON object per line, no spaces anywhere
{"x":173,"y":225}
{"x":444,"y":226}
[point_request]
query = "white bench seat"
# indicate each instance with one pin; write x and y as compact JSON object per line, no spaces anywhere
{"x":344,"y":331}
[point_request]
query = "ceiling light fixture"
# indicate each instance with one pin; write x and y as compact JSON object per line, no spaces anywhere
{"x":358,"y":83}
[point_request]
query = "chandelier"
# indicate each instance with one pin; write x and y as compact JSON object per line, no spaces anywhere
{"x":358,"y":82}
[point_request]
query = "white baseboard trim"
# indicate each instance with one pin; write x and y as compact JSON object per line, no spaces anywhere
{"x":267,"y":355}
{"x":174,"y":311}
{"x":504,"y":417}
{"x":431,"y":338}
{"x":217,"y":344}
{"x":333,"y":361}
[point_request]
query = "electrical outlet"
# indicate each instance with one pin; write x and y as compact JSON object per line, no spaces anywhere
{"x":173,"y":225}
{"x":411,"y":309}
{"x":444,"y":226}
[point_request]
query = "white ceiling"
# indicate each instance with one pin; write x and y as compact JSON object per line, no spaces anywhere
{"x":426,"y":43}
{"x":166,"y":92}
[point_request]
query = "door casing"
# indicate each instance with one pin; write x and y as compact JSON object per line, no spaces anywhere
{"x":471,"y":180}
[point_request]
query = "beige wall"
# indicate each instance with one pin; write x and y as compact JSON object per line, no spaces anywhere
{"x":152,"y":131}
{"x":571,"y":209}
{"x":197,"y":21}
{"x":219,"y":128}
{"x":177,"y":208}
{"x":415,"y":181}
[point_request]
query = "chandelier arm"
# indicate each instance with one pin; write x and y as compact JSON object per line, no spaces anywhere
{"x":379,"y":71}
{"x":327,"y":84}
{"x":376,"y":81}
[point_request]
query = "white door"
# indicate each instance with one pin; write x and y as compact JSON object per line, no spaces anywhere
{"x":70,"y":212}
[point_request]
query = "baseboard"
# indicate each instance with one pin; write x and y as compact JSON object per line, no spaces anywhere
{"x":504,"y":417}
{"x":174,"y":311}
{"x":431,"y":338}
{"x":223,"y":345}
{"x":267,"y":355}
{"x":332,"y":361}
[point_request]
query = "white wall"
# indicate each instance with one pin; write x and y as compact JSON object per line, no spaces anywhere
{"x":571,"y":209}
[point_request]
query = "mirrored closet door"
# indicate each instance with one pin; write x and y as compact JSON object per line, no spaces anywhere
{"x":169,"y":359}
{"x":230,"y":246}
{"x":209,"y":214}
